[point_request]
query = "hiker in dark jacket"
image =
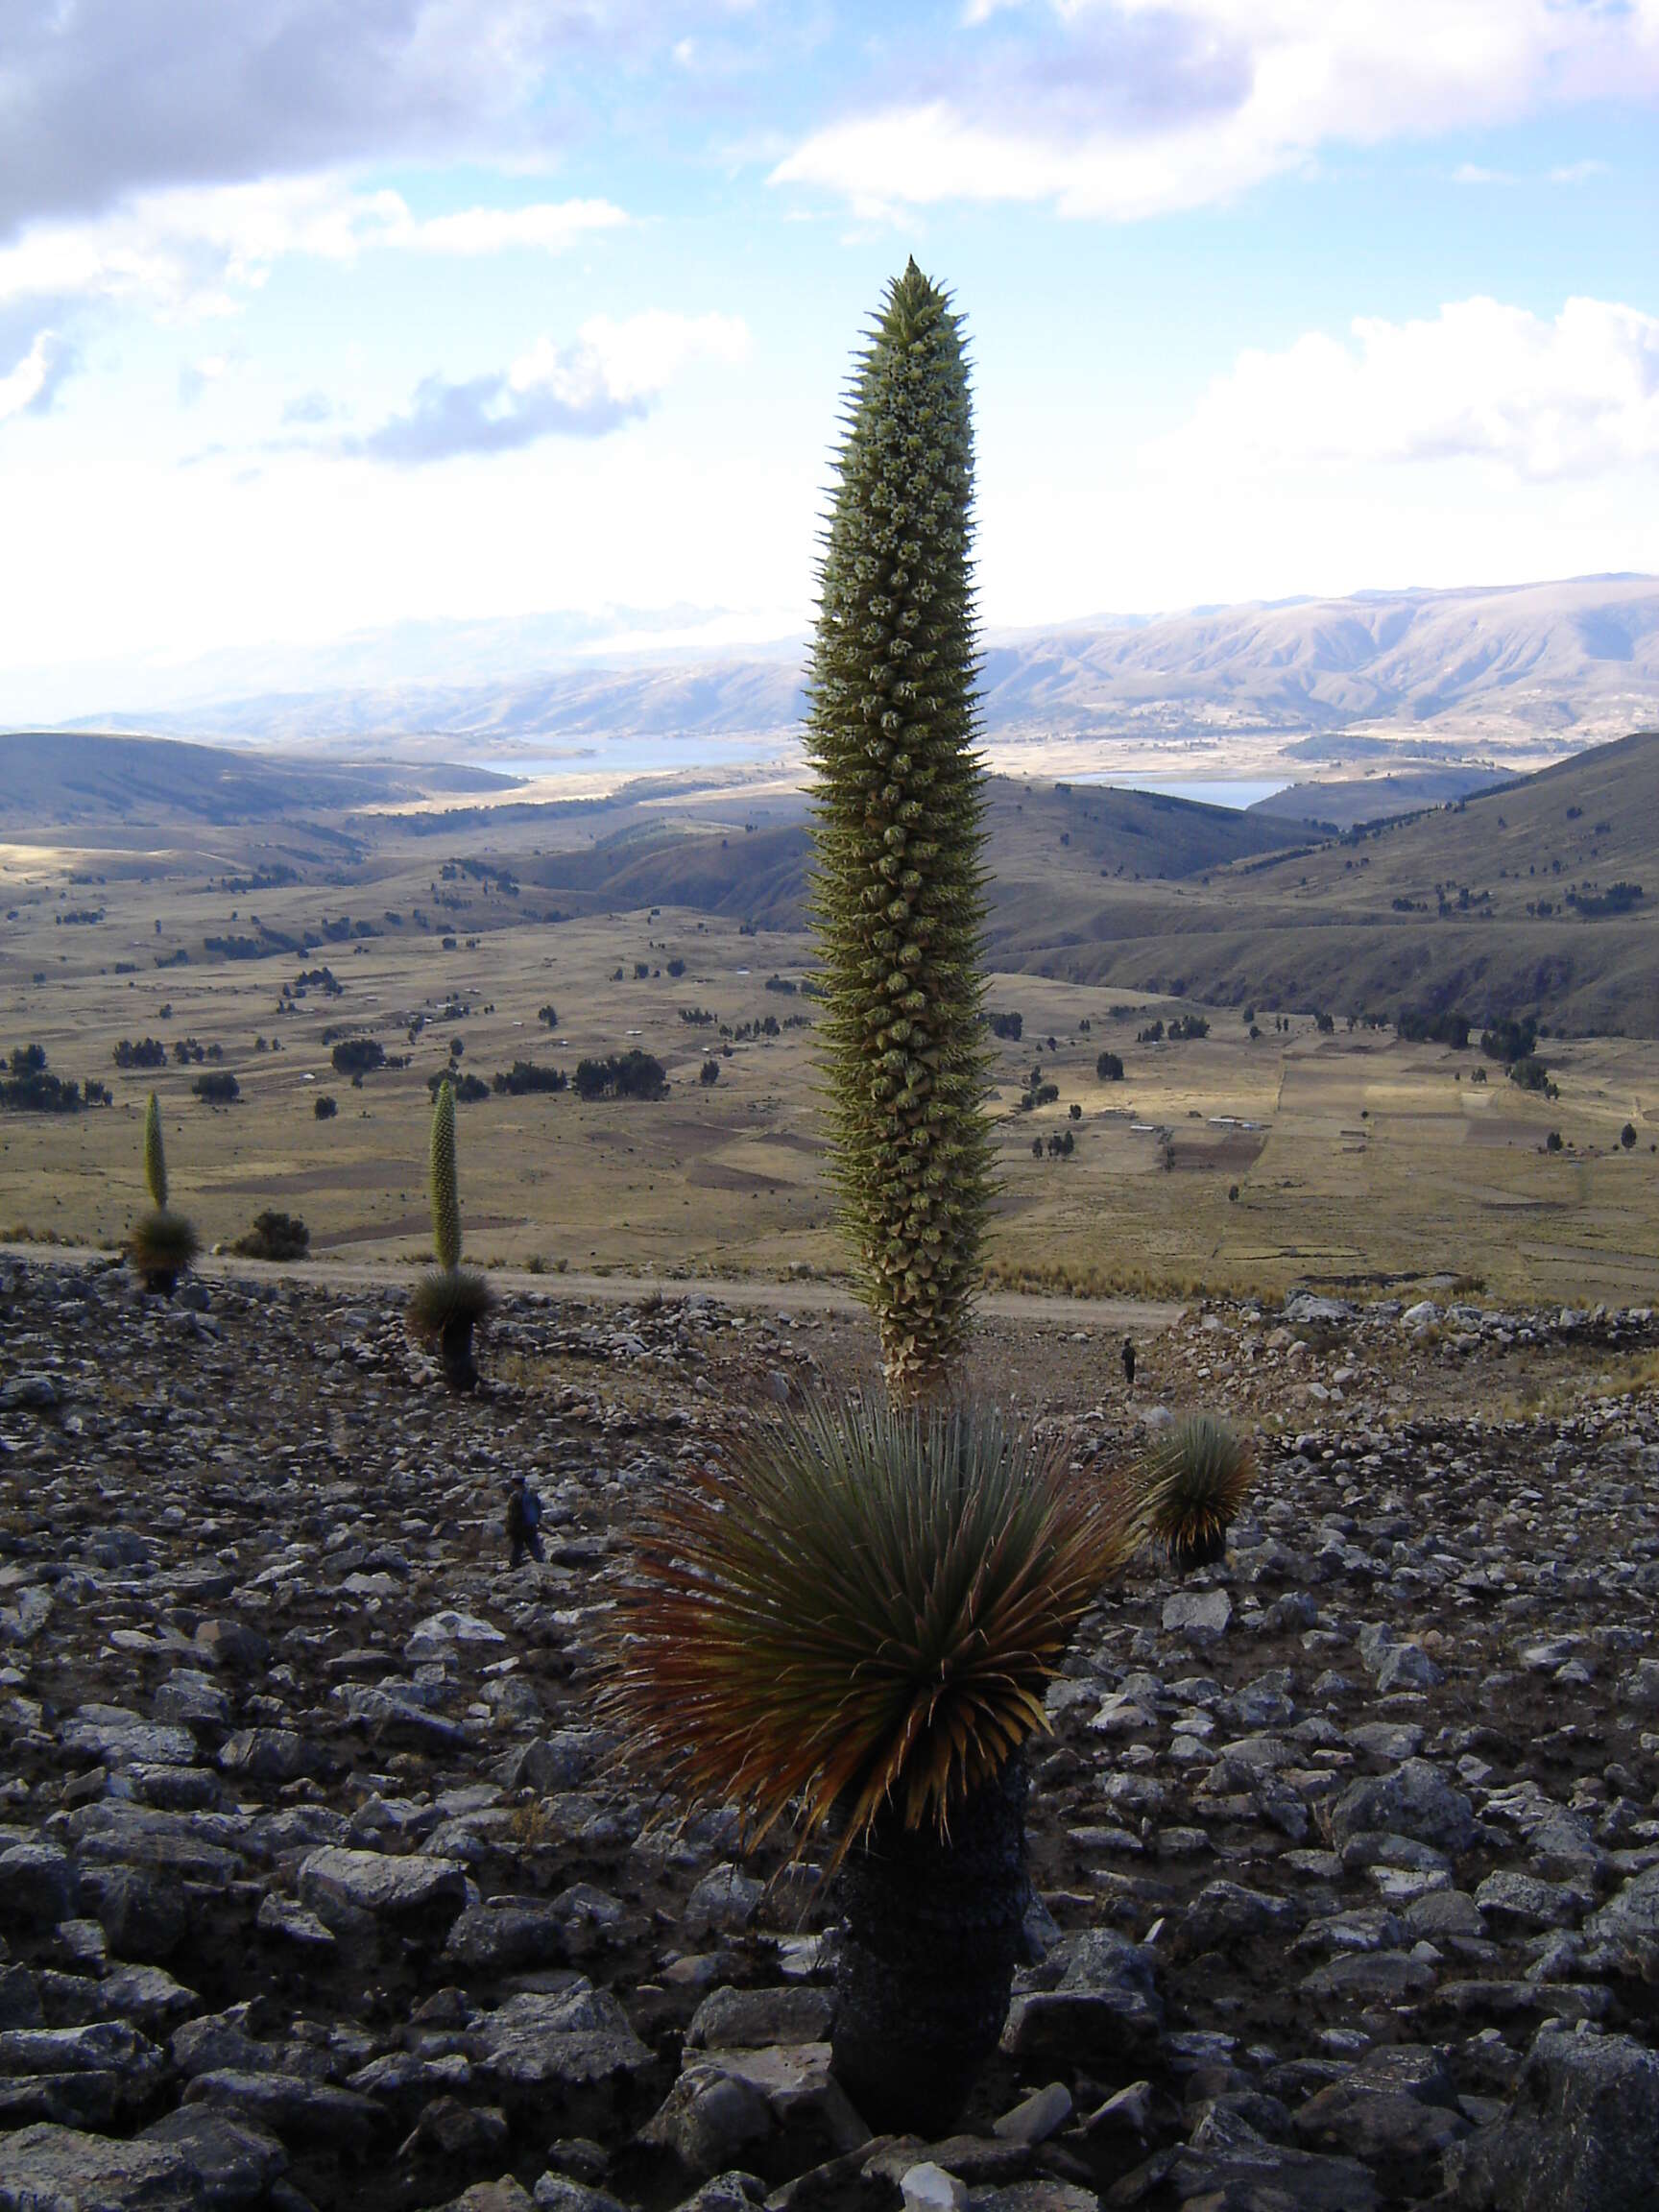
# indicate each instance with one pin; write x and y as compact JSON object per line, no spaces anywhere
{"x":523,"y":1522}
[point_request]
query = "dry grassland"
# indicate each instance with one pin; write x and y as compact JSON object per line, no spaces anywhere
{"x":1356,"y":1160}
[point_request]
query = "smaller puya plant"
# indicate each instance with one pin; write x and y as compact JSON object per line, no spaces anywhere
{"x":448,"y":1301}
{"x":162,"y":1244}
{"x":1189,"y":1488}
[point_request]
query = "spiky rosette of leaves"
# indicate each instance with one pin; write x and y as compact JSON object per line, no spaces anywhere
{"x":1191,"y":1486}
{"x":155,"y":1157}
{"x":162,"y":1246}
{"x":864,"y":1612}
{"x":446,"y":1184}
{"x":898,"y":893}
{"x":447,"y":1297}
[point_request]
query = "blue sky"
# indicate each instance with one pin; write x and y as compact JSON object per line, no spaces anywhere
{"x":322,"y":314}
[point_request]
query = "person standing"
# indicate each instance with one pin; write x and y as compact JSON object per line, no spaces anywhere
{"x":524,"y":1522}
{"x":1129,"y":1362}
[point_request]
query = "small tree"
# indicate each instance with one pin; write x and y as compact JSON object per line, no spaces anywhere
{"x":162,"y":1244}
{"x":899,"y":888}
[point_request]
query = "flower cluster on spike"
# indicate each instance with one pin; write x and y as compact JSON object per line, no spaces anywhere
{"x":899,"y":886}
{"x":154,"y":1158}
{"x":445,"y":1188}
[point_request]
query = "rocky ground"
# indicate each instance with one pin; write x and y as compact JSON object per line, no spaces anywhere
{"x":317,"y":1885}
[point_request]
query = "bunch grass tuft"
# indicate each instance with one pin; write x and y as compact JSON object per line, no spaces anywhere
{"x":861,"y":1616}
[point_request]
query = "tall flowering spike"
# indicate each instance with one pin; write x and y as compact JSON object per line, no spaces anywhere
{"x":446,"y":1188}
{"x":898,"y":889}
{"x":154,"y":1158}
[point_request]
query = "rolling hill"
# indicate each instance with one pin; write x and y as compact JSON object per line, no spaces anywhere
{"x":1537,"y":895}
{"x":58,"y":780}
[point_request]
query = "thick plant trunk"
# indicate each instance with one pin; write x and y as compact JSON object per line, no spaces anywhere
{"x":926,"y":1957}
{"x":1187,"y":1557}
{"x":160,"y":1282}
{"x":455,"y":1351}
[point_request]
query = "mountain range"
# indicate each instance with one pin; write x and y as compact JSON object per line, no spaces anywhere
{"x":1515,"y":675}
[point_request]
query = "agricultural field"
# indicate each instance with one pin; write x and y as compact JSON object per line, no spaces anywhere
{"x":1223,"y":1161}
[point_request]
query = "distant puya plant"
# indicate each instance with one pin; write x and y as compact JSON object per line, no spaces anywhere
{"x":898,"y":893}
{"x":448,"y":1301}
{"x":162,"y":1244}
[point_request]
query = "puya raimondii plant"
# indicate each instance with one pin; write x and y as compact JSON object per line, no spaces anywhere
{"x":448,"y":1301}
{"x":161,"y":1244}
{"x":851,"y":1630}
{"x":899,"y":887}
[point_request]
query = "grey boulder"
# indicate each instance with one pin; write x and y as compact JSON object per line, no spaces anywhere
{"x":1582,"y":2134}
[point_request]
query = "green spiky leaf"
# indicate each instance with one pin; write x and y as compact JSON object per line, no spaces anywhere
{"x":444,"y":1295}
{"x":1192,"y":1482}
{"x":865,"y":1611}
{"x":162,"y":1244}
{"x":899,"y":887}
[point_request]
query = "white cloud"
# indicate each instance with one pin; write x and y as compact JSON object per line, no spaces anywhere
{"x":195,"y":251}
{"x":549,"y":228}
{"x":610,"y":375}
{"x":1126,"y":109}
{"x":644,"y":353}
{"x":1574,"y":396}
{"x":29,"y":388}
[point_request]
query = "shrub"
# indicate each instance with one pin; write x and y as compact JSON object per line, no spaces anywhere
{"x":709,"y":1074}
{"x":146,"y":1052}
{"x":1190,"y":1487}
{"x":1009,"y":1026}
{"x":1627,"y":1136}
{"x":1509,"y":1040}
{"x":524,"y":1077}
{"x":357,"y":1056}
{"x":897,"y":889}
{"x":1553,"y":1142}
{"x":1416,"y":1025}
{"x":468,"y":1089}
{"x":29,"y":1085}
{"x":323,"y":1107}
{"x":548,"y":1016}
{"x":1109,"y":1068}
{"x":1531,"y":1073}
{"x":632,"y":1075}
{"x":676,"y":968}
{"x":275,"y":1236}
{"x":1616,"y":898}
{"x":217,"y":1089}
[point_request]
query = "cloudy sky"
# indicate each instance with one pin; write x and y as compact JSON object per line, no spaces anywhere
{"x":325,"y":314}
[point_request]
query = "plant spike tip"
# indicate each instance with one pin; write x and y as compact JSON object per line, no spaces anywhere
{"x":445,"y":1189}
{"x":154,"y":1158}
{"x":899,"y":887}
